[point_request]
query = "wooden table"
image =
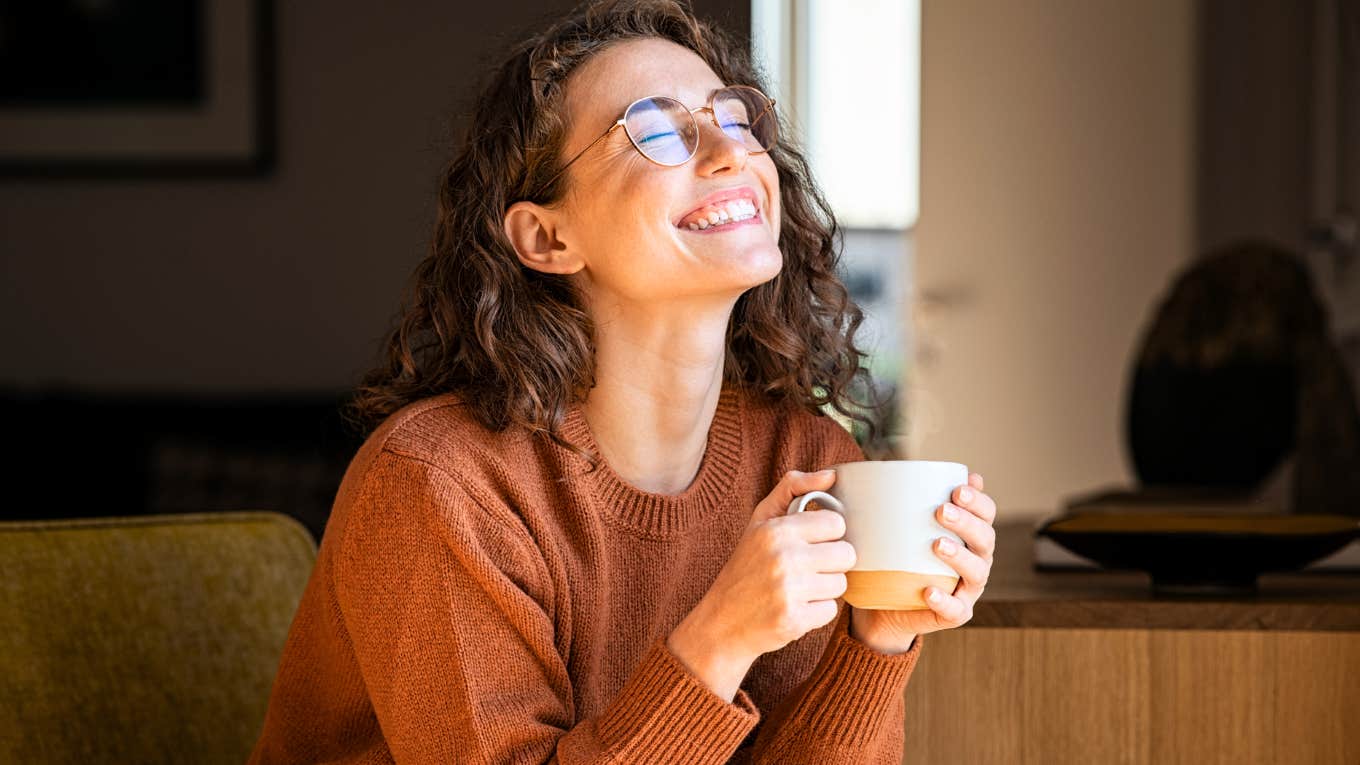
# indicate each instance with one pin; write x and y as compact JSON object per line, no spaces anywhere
{"x":1019,"y":596}
{"x":1091,"y":667}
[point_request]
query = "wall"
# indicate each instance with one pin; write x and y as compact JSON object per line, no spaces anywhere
{"x":1056,"y":203}
{"x":279,"y":283}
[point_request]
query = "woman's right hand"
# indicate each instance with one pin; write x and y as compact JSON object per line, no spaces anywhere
{"x":780,"y":583}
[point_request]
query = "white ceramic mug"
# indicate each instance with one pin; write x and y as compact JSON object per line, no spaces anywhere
{"x":889,"y":508}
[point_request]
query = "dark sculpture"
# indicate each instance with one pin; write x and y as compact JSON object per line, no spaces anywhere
{"x":1239,"y":372}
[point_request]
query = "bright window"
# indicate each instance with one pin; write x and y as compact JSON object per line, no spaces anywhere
{"x":846,"y":75}
{"x":849,"y":72}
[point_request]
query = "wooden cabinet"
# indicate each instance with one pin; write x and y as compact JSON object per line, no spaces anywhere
{"x":1091,"y":668}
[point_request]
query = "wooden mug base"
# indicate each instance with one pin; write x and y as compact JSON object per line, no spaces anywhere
{"x":893,"y":590}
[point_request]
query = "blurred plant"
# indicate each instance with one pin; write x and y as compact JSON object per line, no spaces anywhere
{"x":884,"y":415}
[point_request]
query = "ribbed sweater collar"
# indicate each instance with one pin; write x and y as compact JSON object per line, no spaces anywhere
{"x":665,"y":515}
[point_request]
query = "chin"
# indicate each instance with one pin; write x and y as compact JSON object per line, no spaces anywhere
{"x":757,"y":265}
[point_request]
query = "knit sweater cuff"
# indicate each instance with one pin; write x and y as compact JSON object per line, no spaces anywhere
{"x":666,"y":713}
{"x":853,"y":689}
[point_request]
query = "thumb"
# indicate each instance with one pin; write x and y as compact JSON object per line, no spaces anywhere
{"x":795,"y":483}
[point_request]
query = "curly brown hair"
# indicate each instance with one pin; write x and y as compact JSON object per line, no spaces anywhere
{"x":516,"y":343}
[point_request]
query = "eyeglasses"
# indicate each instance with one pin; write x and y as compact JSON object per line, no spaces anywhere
{"x":664,"y":130}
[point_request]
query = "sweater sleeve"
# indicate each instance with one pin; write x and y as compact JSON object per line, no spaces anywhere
{"x":448,"y":608}
{"x":851,"y":709}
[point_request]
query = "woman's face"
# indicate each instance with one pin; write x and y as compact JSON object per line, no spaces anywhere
{"x":623,"y":223}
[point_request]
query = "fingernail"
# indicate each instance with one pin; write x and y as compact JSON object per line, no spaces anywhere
{"x":951,"y":513}
{"x":965,"y":495}
{"x":934,"y":596}
{"x":828,"y":471}
{"x":947,"y":547}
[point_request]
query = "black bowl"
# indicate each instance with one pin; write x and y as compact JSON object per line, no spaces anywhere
{"x":1202,"y":554}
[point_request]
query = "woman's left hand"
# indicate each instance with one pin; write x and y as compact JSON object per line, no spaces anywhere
{"x":894,"y":631}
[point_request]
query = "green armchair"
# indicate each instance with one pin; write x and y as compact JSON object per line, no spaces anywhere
{"x":144,"y":639}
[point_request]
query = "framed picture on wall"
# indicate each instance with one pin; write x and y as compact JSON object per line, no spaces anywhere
{"x":92,"y":88}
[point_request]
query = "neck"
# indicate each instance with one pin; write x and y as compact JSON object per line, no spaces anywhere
{"x":658,"y":379}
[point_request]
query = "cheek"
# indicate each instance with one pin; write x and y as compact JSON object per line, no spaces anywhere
{"x":770,"y":175}
{"x":626,"y":210}
{"x":640,"y":199}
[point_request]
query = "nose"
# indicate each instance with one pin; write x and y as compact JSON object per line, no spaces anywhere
{"x":718,"y":151}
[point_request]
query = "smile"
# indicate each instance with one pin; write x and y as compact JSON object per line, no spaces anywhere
{"x":724,"y":215}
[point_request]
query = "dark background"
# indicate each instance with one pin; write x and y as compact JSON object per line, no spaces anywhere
{"x":62,"y":52}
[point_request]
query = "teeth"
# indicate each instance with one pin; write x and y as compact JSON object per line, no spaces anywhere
{"x":726,"y":212}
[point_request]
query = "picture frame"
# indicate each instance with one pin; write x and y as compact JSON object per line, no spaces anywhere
{"x":210,"y":113}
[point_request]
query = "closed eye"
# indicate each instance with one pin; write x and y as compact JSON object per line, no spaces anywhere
{"x":657,"y":137}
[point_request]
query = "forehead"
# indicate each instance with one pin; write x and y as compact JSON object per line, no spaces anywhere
{"x":603,"y":86}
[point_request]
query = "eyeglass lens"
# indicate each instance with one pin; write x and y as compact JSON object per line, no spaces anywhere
{"x":664,"y":129}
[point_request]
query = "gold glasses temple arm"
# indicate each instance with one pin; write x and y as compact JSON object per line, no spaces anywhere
{"x":579,"y":154}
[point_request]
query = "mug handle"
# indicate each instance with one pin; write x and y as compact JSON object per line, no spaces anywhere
{"x":800,"y":503}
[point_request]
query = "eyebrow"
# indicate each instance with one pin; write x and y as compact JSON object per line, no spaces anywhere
{"x":620,"y":110}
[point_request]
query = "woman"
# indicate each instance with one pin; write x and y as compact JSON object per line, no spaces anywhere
{"x":565,"y":541}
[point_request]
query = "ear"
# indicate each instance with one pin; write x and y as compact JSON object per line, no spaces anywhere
{"x":533,"y":232}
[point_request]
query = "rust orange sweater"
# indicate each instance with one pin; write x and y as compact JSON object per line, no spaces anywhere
{"x":479,"y":598}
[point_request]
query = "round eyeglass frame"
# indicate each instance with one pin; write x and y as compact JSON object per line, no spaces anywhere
{"x":708,"y":107}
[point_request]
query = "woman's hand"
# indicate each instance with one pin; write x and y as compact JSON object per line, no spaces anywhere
{"x":781,"y":582}
{"x":894,"y":631}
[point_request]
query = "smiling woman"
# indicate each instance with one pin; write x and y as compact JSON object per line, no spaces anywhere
{"x":792,"y":324}
{"x":565,"y":538}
